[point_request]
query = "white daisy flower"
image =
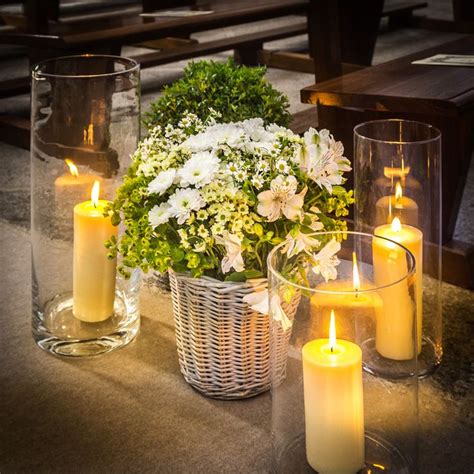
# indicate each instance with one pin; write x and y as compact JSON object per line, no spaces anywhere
{"x":282,"y":166}
{"x":257,"y":181}
{"x":162,"y":182}
{"x":183,"y":201}
{"x":159,"y":214}
{"x":199,"y":169}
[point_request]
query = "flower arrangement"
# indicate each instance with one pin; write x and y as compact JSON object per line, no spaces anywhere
{"x":214,"y":199}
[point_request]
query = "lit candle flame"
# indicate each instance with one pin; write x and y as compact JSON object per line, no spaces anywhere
{"x":398,"y":191}
{"x":355,"y":274}
{"x":396,"y":225}
{"x":332,"y":331}
{"x":95,"y":193}
{"x":72,"y":167}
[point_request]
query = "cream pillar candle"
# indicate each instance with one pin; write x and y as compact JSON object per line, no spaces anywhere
{"x":73,"y":187}
{"x":394,"y":329}
{"x":334,"y":405}
{"x":351,"y":305}
{"x":388,"y":207}
{"x":93,"y":273}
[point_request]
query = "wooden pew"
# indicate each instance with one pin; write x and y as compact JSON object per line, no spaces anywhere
{"x":439,"y":95}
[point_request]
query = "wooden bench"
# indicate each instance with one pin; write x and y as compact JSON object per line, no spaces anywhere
{"x":107,"y":35}
{"x":440,"y":95}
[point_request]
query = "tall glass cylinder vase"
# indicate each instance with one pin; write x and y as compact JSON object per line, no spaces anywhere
{"x":345,"y":399}
{"x":85,"y":117}
{"x":397,"y":168}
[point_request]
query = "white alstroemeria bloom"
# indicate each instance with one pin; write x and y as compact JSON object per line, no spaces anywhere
{"x":322,"y":158}
{"x":277,"y":313}
{"x":162,"y":182}
{"x":325,"y":261}
{"x":233,"y":248}
{"x":159,"y":214}
{"x":342,"y":162}
{"x":199,"y":170}
{"x":302,"y":242}
{"x":281,"y":198}
{"x":310,"y":150}
{"x":325,"y":172}
{"x":315,"y":224}
{"x":259,"y":301}
{"x":183,"y":202}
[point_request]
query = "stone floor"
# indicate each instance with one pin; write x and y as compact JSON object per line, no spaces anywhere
{"x":28,"y":404}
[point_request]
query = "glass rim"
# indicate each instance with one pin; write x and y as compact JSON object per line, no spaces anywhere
{"x":410,"y":272}
{"x":398,"y":142}
{"x":130,"y":66}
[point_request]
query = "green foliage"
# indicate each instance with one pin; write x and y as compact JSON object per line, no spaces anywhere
{"x":234,"y":92}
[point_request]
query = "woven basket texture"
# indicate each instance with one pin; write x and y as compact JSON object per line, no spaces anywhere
{"x":223,"y":345}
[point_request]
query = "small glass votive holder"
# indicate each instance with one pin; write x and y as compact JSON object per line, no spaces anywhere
{"x":397,"y":188}
{"x":85,"y":115}
{"x":346,"y":398}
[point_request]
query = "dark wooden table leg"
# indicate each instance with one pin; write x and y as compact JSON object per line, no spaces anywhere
{"x":249,"y":55}
{"x":325,"y":38}
{"x":463,"y":10}
{"x":39,"y":12}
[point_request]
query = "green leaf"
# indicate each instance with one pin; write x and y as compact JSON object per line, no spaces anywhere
{"x":244,"y":276}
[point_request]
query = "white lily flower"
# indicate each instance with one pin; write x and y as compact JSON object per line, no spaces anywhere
{"x":233,"y":247}
{"x":281,"y":198}
{"x":302,"y":242}
{"x":325,"y":261}
{"x":162,"y":182}
{"x":183,"y":202}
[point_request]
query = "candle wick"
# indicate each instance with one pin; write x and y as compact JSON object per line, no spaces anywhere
{"x":332,"y":349}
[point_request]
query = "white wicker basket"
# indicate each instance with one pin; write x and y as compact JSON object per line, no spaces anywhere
{"x":223,"y":345}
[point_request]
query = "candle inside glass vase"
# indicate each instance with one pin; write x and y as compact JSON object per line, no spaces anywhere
{"x":403,"y":207}
{"x":94,"y":273}
{"x":395,"y":324}
{"x":333,"y":404}
{"x":357,"y":310}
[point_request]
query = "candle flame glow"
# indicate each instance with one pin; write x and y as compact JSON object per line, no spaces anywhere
{"x":398,"y":191}
{"x":332,"y":331}
{"x":355,"y":274}
{"x":396,"y":225}
{"x":95,"y":193}
{"x":392,"y":173}
{"x":72,"y":167}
